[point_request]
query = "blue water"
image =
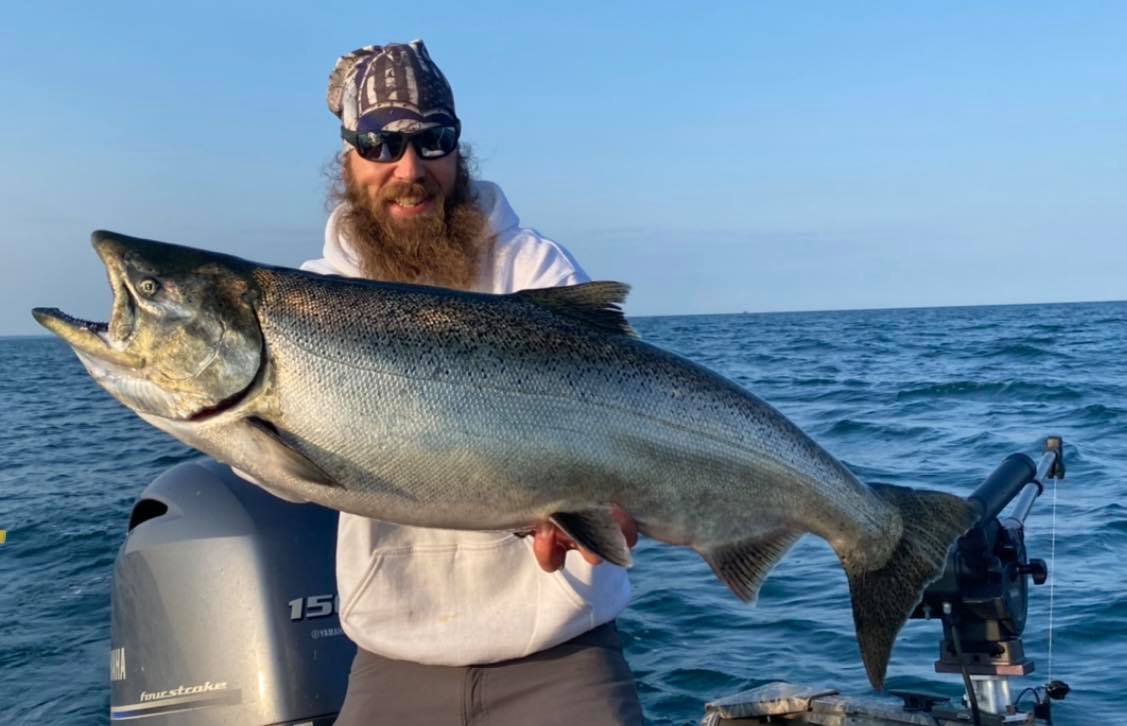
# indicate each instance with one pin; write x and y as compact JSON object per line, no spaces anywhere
{"x":927,"y":397}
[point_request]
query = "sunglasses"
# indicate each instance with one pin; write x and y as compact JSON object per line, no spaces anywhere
{"x":389,"y":146}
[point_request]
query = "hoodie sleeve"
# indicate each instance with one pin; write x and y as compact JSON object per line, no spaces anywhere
{"x":523,"y":258}
{"x":320,"y":266}
{"x":338,"y":256}
{"x":536,"y":261}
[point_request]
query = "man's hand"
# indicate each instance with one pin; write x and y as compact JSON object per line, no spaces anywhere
{"x":550,"y":544}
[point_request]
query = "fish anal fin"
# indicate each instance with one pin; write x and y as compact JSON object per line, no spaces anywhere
{"x":594,"y":303}
{"x":280,"y":458}
{"x":598,"y":531}
{"x":884,"y":596}
{"x":744,"y":564}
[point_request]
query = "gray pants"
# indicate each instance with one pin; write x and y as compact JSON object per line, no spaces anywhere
{"x":583,"y":681}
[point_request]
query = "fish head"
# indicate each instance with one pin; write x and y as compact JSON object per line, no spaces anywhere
{"x":183,"y":340}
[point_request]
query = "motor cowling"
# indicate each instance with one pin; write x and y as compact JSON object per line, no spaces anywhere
{"x":225,"y":606}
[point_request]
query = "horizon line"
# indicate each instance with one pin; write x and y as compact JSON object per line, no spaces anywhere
{"x":4,"y":336}
{"x":881,"y":309}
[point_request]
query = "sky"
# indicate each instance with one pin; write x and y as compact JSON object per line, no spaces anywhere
{"x":719,"y":157}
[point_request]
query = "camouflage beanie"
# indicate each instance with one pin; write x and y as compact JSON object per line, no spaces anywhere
{"x":394,"y":87}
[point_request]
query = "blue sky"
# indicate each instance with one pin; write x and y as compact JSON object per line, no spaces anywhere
{"x":719,"y":157}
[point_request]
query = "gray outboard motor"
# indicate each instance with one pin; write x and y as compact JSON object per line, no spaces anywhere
{"x":225,"y":607}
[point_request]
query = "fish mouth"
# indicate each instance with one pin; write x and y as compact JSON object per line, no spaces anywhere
{"x":103,"y":341}
{"x":86,"y":336}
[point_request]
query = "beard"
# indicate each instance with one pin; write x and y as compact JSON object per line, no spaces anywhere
{"x":443,"y":247}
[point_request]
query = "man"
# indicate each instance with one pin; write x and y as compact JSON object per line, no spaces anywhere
{"x":456,"y":627}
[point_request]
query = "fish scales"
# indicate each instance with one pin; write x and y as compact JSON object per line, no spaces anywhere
{"x":496,"y":378}
{"x":440,"y":408}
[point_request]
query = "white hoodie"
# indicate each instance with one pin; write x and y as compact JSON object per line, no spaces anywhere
{"x":455,"y":598}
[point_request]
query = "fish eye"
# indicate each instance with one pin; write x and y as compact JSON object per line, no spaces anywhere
{"x":148,"y":287}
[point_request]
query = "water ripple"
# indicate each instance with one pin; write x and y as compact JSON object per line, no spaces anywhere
{"x":932,"y":397}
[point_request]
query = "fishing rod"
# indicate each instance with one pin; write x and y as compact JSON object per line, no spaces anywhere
{"x":982,"y":598}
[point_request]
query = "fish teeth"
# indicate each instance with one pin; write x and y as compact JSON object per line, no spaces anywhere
{"x":90,"y":325}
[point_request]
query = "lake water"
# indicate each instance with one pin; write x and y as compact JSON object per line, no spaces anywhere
{"x":921,"y":397}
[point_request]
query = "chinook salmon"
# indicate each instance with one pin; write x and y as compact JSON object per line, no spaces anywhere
{"x":438,"y":408}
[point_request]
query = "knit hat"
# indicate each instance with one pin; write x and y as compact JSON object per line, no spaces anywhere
{"x":394,"y":87}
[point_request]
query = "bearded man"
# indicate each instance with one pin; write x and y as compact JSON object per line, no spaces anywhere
{"x":456,"y":627}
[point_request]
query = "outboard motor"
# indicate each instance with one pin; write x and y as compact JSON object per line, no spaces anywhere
{"x":225,"y":607}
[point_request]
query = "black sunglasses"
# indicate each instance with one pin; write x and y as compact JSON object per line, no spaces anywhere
{"x":389,"y":146}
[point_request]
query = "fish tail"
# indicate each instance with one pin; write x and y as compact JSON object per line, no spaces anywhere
{"x":884,"y":597}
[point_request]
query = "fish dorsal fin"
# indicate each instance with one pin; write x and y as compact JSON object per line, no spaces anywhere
{"x":595,"y":303}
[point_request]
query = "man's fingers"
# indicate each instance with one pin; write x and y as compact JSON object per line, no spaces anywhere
{"x":550,"y":544}
{"x":629,"y":526}
{"x":549,"y":551}
{"x":591,"y":557}
{"x":563,"y":543}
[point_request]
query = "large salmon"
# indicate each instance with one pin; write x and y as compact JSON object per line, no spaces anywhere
{"x":433,"y":407}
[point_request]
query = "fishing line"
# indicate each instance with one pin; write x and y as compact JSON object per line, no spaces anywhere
{"x":1052,"y":574}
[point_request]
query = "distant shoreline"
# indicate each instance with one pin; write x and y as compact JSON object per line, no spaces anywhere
{"x":884,"y":310}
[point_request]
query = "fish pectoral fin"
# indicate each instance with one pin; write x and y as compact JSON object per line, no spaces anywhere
{"x":743,"y":565}
{"x":598,"y":531}
{"x":594,"y":303}
{"x":280,"y":456}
